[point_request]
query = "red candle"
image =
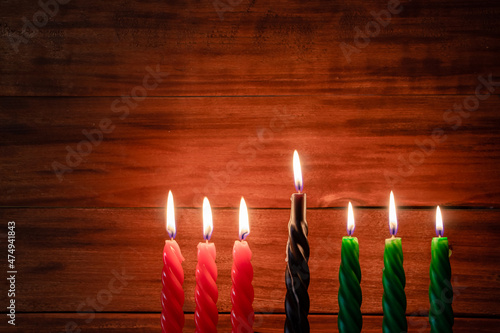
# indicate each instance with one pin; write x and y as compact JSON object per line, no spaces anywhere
{"x":242,"y":315}
{"x":206,"y":294}
{"x":172,"y":278}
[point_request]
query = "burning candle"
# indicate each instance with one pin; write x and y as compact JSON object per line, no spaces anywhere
{"x":440,"y":289}
{"x":172,"y":278}
{"x":394,"y":299}
{"x":297,"y":253}
{"x":242,"y":315}
{"x":349,"y":318}
{"x":206,"y":293}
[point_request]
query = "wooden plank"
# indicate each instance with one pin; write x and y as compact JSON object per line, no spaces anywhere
{"x":351,"y":149}
{"x":260,"y":48}
{"x":267,"y":323}
{"x":68,"y":258}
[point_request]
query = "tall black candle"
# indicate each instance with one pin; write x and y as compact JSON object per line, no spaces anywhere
{"x":297,"y":255}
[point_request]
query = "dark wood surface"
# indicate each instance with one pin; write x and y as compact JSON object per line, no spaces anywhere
{"x":67,"y":255}
{"x":268,"y":323}
{"x":240,"y":95}
{"x":260,"y":48}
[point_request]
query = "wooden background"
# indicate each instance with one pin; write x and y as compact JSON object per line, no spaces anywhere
{"x":241,"y":93}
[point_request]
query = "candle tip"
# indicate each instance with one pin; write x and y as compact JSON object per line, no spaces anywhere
{"x":243,"y":222}
{"x":208,"y":224}
{"x":350,"y":220}
{"x":297,"y":172}
{"x":171,"y":228}
{"x":439,"y":223}
{"x":393,"y":219}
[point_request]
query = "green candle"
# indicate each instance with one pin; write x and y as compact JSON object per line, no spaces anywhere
{"x":350,"y":319}
{"x":440,"y":289}
{"x":394,"y":299}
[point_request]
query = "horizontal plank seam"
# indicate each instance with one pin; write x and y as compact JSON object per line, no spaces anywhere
{"x":479,"y":208}
{"x":247,"y":96}
{"x":468,"y":316}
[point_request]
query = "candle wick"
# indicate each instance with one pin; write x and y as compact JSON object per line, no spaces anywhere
{"x":171,"y":233}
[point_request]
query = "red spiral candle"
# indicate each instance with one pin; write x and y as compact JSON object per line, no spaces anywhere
{"x":206,"y":315}
{"x":172,"y":278}
{"x":242,"y":294}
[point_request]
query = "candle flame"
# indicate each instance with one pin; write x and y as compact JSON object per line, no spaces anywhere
{"x":439,"y":223}
{"x":172,"y":231}
{"x":208,"y":225}
{"x":244,"y":225}
{"x":350,"y":220}
{"x":393,"y":219}
{"x":297,"y":172}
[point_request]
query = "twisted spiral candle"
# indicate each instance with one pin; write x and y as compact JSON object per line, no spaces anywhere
{"x":440,"y":289}
{"x":242,"y":315}
{"x":172,"y":294}
{"x":297,"y":271}
{"x":394,"y":280}
{"x":350,"y":297}
{"x":206,"y":294}
{"x":242,"y":294}
{"x":172,"y":278}
{"x":349,"y":318}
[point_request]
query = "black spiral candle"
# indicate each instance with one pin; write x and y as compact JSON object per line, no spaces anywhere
{"x":297,"y":255}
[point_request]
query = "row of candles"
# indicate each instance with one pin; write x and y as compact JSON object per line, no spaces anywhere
{"x":297,"y":276}
{"x":206,"y":293}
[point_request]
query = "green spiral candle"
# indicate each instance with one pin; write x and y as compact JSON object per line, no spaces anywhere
{"x":394,"y":280}
{"x":350,"y":297}
{"x":440,"y":289}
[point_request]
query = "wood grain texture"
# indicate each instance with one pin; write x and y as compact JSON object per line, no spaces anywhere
{"x":351,"y":148}
{"x":260,"y":48}
{"x":69,"y":257}
{"x":240,"y":95}
{"x":125,"y":323}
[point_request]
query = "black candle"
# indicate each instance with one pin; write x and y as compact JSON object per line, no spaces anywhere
{"x":297,"y":255}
